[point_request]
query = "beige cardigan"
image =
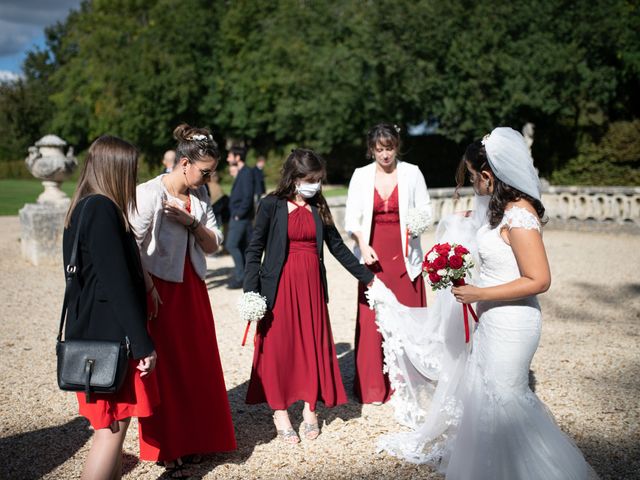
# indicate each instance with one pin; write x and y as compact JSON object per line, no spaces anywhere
{"x":163,"y":242}
{"x":412,"y":193}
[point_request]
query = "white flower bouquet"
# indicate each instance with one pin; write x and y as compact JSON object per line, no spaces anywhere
{"x":418,"y":220}
{"x":252,"y":306}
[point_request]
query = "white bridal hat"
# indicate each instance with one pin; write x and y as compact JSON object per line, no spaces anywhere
{"x":511,"y":161}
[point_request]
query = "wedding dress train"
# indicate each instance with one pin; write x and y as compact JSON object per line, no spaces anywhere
{"x":469,"y":406}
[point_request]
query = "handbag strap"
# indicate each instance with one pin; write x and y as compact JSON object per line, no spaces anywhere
{"x":71,"y":269}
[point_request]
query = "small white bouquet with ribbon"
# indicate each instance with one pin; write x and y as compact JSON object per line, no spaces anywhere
{"x":252,"y":307}
{"x":418,"y":220}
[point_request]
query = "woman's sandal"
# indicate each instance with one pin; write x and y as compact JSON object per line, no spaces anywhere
{"x":311,"y":431}
{"x":175,"y":469}
{"x":287,"y":435}
{"x":193,"y":459}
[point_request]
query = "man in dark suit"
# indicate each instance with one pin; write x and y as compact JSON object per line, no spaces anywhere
{"x":241,"y":212}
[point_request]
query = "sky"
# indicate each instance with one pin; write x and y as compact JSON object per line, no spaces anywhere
{"x":22,"y":24}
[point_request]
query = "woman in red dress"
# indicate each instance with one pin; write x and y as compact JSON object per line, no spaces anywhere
{"x":379,"y":198}
{"x":295,"y":357}
{"x":176,"y":227}
{"x":108,"y":301}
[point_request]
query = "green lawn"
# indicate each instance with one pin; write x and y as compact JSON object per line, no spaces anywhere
{"x":15,"y":193}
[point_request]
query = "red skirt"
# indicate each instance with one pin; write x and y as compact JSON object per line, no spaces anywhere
{"x":194,"y":414}
{"x":137,"y":398}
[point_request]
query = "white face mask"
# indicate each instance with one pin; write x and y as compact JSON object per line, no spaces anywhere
{"x":308,"y":190}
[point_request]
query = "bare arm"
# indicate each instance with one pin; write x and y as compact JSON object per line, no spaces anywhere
{"x":368,"y":253}
{"x":535,"y":275}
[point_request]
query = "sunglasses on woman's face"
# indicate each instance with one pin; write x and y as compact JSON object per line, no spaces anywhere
{"x":205,"y":173}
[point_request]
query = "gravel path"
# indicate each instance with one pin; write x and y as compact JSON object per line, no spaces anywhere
{"x":587,"y":371}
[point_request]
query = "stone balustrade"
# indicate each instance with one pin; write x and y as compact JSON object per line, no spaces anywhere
{"x":581,"y":208}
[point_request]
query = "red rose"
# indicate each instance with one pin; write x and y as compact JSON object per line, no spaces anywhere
{"x":434,"y":277}
{"x":455,"y":262}
{"x":443,"y":248}
{"x":460,"y":250}
{"x":427,"y":266}
{"x":440,"y":262}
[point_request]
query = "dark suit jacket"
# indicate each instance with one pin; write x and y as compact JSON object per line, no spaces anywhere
{"x":258,"y":182}
{"x":270,"y":236}
{"x":107,"y":299}
{"x":241,"y":198}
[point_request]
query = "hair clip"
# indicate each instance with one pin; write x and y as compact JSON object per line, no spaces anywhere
{"x":198,"y":137}
{"x":397,"y":128}
{"x":485,"y":138}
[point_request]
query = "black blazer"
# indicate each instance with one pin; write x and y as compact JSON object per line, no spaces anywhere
{"x":241,"y":198}
{"x":270,"y":235}
{"x":108,"y":300}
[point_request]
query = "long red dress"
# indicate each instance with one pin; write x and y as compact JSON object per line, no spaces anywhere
{"x":194,"y":414}
{"x":295,"y":357}
{"x":370,"y":383}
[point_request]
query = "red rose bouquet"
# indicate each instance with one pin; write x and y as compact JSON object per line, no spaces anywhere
{"x":446,"y":265}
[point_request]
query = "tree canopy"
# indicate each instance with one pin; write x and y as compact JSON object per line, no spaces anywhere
{"x":320,"y":73}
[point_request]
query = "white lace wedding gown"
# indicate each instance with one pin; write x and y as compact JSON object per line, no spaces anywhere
{"x":471,"y":411}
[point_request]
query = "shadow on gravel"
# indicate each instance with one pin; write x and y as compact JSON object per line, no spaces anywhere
{"x":217,"y":277}
{"x":613,"y":458}
{"x":254,"y":426}
{"x":34,"y":454}
{"x":613,"y":295}
{"x":565,"y":307}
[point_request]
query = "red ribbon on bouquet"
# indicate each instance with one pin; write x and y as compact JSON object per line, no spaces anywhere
{"x":466,"y":309}
{"x":246,"y":332}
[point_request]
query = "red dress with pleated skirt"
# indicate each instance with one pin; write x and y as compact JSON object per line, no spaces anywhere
{"x":194,"y":415}
{"x":295,"y":357}
{"x":370,"y":383}
{"x":136,"y":398}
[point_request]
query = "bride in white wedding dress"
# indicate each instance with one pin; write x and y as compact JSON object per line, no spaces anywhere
{"x":469,"y":406}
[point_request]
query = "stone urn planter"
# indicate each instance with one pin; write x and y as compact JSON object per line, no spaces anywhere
{"x":48,"y":162}
{"x":42,"y":223}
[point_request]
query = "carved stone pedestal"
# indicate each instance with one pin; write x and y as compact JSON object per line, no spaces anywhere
{"x":42,"y":226}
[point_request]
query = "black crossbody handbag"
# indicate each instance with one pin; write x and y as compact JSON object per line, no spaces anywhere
{"x":92,"y":366}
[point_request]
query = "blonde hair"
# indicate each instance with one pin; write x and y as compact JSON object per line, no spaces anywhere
{"x":110,"y":169}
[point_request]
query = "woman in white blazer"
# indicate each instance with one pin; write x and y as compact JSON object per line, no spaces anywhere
{"x":380,"y":196}
{"x":175,"y":227}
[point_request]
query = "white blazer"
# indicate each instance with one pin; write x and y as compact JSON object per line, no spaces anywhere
{"x":163,"y":243}
{"x":412,"y":193}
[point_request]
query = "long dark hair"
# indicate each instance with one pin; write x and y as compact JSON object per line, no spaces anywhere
{"x":300,"y":163}
{"x":503,"y":194}
{"x":110,"y":169}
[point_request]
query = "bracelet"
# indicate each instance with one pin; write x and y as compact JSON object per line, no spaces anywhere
{"x":193,"y":225}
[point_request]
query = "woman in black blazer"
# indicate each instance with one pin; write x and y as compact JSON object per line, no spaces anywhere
{"x":295,"y":356}
{"x":107,"y":296}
